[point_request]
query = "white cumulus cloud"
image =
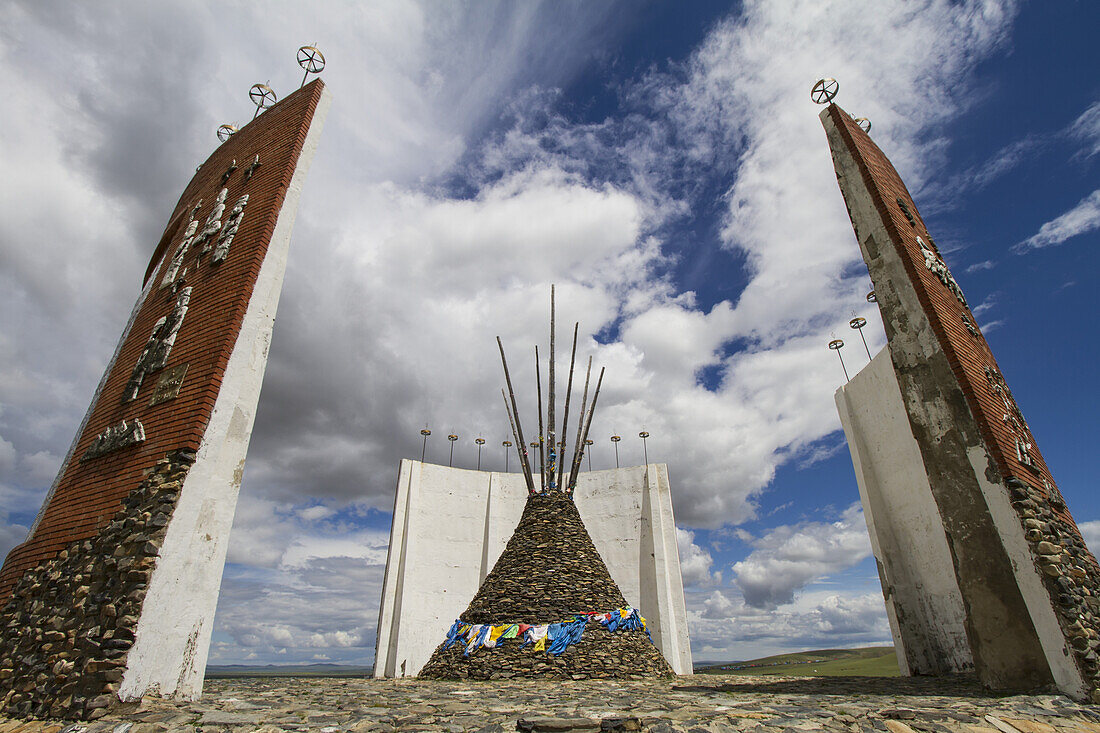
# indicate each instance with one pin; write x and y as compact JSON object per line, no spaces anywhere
{"x":789,"y":557}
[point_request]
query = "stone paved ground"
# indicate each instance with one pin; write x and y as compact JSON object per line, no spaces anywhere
{"x":700,"y":704}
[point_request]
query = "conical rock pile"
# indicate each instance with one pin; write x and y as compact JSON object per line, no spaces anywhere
{"x":549,"y":571}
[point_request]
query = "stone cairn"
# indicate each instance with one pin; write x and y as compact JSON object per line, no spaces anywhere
{"x":70,"y":621}
{"x":550,"y":570}
{"x":1069,"y":570}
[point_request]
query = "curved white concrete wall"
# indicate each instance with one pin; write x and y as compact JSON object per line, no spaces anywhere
{"x":450,"y":525}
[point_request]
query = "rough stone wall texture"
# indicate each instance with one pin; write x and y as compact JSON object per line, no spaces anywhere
{"x":75,"y":590}
{"x":549,"y":571}
{"x":88,"y":493}
{"x":975,"y":443}
{"x":69,"y":623}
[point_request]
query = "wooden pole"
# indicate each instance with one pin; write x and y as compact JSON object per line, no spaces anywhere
{"x":542,"y":445}
{"x":551,"y":427}
{"x":580,"y":426}
{"x":519,"y":428}
{"x":588,"y":424}
{"x":565,"y":414}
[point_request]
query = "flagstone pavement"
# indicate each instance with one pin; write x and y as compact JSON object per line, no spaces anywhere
{"x":699,"y":704}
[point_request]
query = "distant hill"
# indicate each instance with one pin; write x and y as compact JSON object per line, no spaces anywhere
{"x":287,"y":670}
{"x":873,"y":661}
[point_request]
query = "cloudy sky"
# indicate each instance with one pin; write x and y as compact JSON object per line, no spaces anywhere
{"x":661,"y":162}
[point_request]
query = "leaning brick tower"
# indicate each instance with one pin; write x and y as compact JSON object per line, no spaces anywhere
{"x":112,"y":595}
{"x":1020,"y":586}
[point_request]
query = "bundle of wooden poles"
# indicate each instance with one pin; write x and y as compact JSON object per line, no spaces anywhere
{"x":551,"y":451}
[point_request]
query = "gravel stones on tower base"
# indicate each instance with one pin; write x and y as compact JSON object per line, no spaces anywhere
{"x":549,"y":572}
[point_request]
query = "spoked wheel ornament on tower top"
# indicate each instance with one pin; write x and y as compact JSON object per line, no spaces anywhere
{"x":312,"y":60}
{"x":824,"y":91}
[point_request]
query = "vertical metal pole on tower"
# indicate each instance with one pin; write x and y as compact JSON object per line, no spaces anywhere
{"x":586,"y":444}
{"x":858,"y":323}
{"x":836,"y":345}
{"x":452,"y":437}
{"x":643,"y":435}
{"x":507,"y":454}
{"x":480,"y":442}
{"x":424,"y":448}
{"x":615,"y":439}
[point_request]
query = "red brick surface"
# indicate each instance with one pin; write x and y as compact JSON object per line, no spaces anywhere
{"x":967,"y":354}
{"x":90,"y":492}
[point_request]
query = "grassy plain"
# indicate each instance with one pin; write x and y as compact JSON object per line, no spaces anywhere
{"x":875,"y":661}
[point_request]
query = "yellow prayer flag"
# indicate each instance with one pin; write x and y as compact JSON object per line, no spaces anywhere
{"x":540,"y":645}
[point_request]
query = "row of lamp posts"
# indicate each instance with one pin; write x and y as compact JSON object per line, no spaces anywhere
{"x":857,"y":324}
{"x":506,"y":444}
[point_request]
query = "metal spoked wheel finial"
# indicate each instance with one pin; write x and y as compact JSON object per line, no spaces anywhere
{"x":263,"y":97}
{"x":312,"y":60}
{"x":863,"y":123}
{"x":824,"y":91}
{"x":226,"y":131}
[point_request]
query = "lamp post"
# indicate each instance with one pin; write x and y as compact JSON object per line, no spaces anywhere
{"x":615,"y":439}
{"x":858,"y":323}
{"x":480,"y":442}
{"x":452,"y":437}
{"x":586,"y":444}
{"x":836,"y":345}
{"x":507,"y":444}
{"x":424,"y":448}
{"x":643,"y":435}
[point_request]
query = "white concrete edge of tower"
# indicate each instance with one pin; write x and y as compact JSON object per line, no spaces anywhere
{"x":175,"y":626}
{"x":1044,"y":617}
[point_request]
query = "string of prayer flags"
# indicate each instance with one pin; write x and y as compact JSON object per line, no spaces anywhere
{"x":552,"y":638}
